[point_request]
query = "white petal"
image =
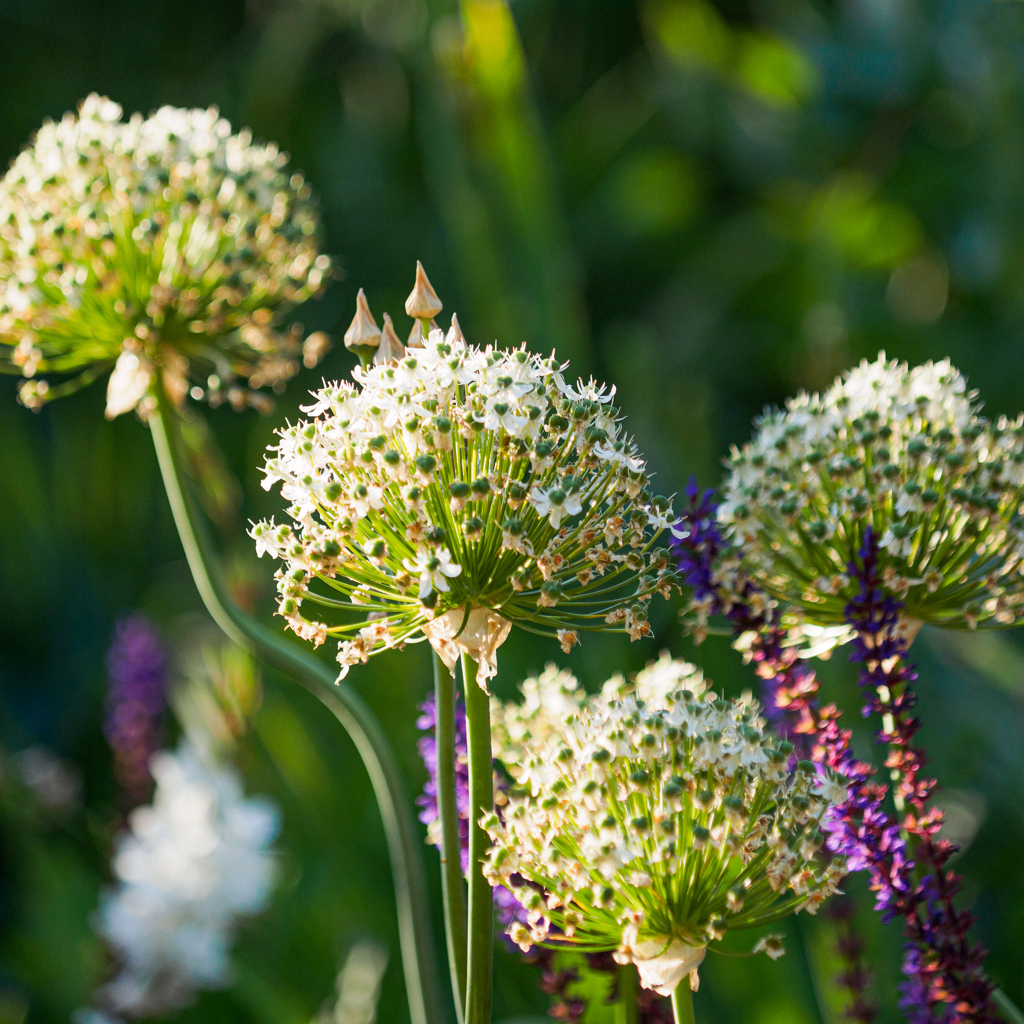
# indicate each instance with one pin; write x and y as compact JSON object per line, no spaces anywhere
{"x":128,"y":384}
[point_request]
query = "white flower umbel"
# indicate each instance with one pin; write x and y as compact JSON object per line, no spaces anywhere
{"x":160,"y":243}
{"x":194,"y":862}
{"x":555,"y":696}
{"x":650,"y":830}
{"x":905,"y":453}
{"x":457,"y":490}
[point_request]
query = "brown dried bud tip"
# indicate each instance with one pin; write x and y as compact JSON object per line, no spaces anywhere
{"x":363,"y":332}
{"x":417,"y":336}
{"x":391,"y":348}
{"x":456,"y":330}
{"x":423,"y":303}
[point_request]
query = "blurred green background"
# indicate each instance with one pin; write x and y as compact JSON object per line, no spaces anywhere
{"x":709,"y":205}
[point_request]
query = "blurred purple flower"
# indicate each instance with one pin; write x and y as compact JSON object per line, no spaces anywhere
{"x":136,"y":697}
{"x":505,"y":904}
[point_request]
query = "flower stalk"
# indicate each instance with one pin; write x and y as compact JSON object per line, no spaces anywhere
{"x":480,"y":948}
{"x":626,"y":1010}
{"x":342,"y":701}
{"x":452,"y":885}
{"x":682,"y":1005}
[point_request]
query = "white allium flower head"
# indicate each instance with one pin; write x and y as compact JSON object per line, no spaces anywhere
{"x":194,"y":863}
{"x":905,"y":454}
{"x":457,"y":490}
{"x":160,"y":243}
{"x":651,"y":829}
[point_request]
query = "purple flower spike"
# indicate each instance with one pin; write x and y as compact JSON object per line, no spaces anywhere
{"x":946,"y":981}
{"x":136,"y":697}
{"x":859,"y":829}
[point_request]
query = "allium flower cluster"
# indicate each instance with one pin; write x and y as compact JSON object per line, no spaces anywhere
{"x":457,"y":491}
{"x":195,"y":861}
{"x":555,"y":696}
{"x":164,"y":241}
{"x":651,"y":832}
{"x":905,"y":453}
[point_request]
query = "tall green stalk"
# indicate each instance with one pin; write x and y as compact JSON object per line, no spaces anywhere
{"x":625,"y":1008}
{"x":342,"y":701}
{"x":480,"y":948}
{"x":452,"y":883}
{"x":682,"y":1003}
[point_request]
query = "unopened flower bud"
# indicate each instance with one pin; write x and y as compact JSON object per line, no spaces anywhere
{"x":423,"y":303}
{"x":363,"y":335}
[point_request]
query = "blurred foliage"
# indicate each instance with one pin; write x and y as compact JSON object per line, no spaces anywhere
{"x":709,"y":205}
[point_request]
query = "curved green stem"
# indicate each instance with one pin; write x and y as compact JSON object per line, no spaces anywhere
{"x":448,"y":813}
{"x":682,"y":1003}
{"x":341,"y":700}
{"x":480,"y":948}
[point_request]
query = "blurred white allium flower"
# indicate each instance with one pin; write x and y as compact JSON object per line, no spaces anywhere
{"x":358,"y":986}
{"x":455,"y":491}
{"x":194,"y":862}
{"x":164,"y":242}
{"x":902,"y":452}
{"x":53,"y":781}
{"x":651,"y":828}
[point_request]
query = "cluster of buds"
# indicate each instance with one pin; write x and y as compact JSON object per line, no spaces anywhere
{"x":455,"y":491}
{"x":651,"y":830}
{"x":905,"y":454}
{"x":163,"y":242}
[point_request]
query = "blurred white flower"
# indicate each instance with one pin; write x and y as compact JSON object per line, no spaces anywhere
{"x":54,"y":782}
{"x":358,"y":986}
{"x":194,"y":861}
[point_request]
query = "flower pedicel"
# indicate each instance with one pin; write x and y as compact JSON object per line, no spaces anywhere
{"x":160,"y":242}
{"x":455,"y":491}
{"x":651,"y":829}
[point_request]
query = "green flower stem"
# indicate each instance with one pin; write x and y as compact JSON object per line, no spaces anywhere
{"x":625,"y":1007}
{"x":480,"y":948}
{"x":1007,"y":1007}
{"x":341,"y":700}
{"x":451,"y":861}
{"x":682,"y":1003}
